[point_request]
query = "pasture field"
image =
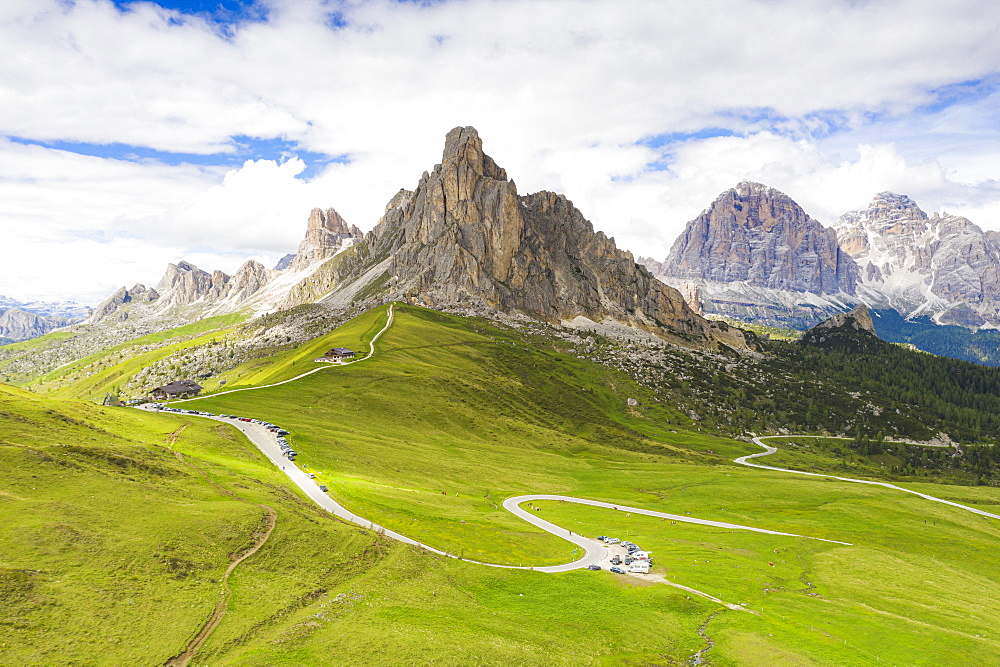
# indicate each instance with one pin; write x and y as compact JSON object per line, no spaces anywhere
{"x":117,"y":525}
{"x":90,"y":377}
{"x":449,"y":418}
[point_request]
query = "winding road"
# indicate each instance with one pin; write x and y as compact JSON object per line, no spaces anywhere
{"x":371,"y":352}
{"x":594,"y":551}
{"x":768,"y":450}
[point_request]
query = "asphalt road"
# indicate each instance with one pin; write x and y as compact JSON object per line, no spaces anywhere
{"x":593,"y":551}
{"x":771,"y":450}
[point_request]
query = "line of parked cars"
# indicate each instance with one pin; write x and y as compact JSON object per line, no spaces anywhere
{"x":280,"y":433}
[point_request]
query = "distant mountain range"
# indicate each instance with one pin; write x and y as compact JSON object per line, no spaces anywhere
{"x":187,"y":293}
{"x":755,"y":255}
{"x":21,"y":320}
{"x":464,"y":240}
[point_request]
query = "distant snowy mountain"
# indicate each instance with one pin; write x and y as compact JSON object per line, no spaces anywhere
{"x":942,"y":265}
{"x":756,"y":256}
{"x":23,"y":320}
{"x":67,"y":309}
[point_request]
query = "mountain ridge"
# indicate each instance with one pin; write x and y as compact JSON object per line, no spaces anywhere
{"x":465,"y":238}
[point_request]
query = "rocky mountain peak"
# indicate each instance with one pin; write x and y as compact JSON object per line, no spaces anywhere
{"x":888,"y":207}
{"x":326,"y":234}
{"x":139,"y":294}
{"x":249,"y":278}
{"x":465,"y":239}
{"x":184,"y":283}
{"x":942,"y":265}
{"x":755,"y":234}
{"x":463,"y":149}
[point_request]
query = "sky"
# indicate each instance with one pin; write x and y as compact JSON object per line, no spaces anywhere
{"x":133,"y":134}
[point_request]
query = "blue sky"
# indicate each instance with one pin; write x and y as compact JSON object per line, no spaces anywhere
{"x":138,"y":133}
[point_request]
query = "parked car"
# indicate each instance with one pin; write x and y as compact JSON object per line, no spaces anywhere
{"x":613,"y":540}
{"x":603,"y":538}
{"x":618,"y":570}
{"x":616,"y":560}
{"x":322,"y":488}
{"x":312,"y":475}
{"x":593,"y":567}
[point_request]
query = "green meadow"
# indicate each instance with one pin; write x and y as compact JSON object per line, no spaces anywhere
{"x":452,"y":416}
{"x":119,"y":524}
{"x":90,"y":377}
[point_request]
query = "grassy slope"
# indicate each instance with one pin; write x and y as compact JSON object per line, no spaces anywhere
{"x":41,"y":341}
{"x":454,"y":405}
{"x":457,"y":407}
{"x":112,"y":549}
{"x":354,"y":335}
{"x":91,"y":377}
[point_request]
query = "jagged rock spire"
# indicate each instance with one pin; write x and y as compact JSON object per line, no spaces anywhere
{"x":326,"y":233}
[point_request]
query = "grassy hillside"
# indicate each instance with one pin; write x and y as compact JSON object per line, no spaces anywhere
{"x":284,"y":364}
{"x":91,"y":376}
{"x":118,"y":525}
{"x":453,"y":415}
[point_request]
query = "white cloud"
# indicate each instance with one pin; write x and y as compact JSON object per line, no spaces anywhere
{"x":560,"y":91}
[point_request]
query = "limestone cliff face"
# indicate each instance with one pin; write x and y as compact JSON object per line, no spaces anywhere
{"x":326,"y":233}
{"x":186,"y":292}
{"x":139,"y":294}
{"x":940,"y":264}
{"x":465,"y":236}
{"x":247,"y":280}
{"x":17,"y":324}
{"x":185,"y":283}
{"x":284,"y":262}
{"x":758,"y":235}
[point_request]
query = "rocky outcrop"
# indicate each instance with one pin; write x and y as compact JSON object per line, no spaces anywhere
{"x":246,"y":282}
{"x":184,"y":283}
{"x":653,"y":266}
{"x":760,"y":236}
{"x":186,"y":292}
{"x":942,"y":265}
{"x":326,"y":234}
{"x":465,"y":237}
{"x":139,"y":294}
{"x":853,"y":331}
{"x":858,"y":319}
{"x":284,"y":262}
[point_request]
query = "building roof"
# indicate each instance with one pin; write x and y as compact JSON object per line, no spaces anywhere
{"x":179,"y":387}
{"x":342,"y":350}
